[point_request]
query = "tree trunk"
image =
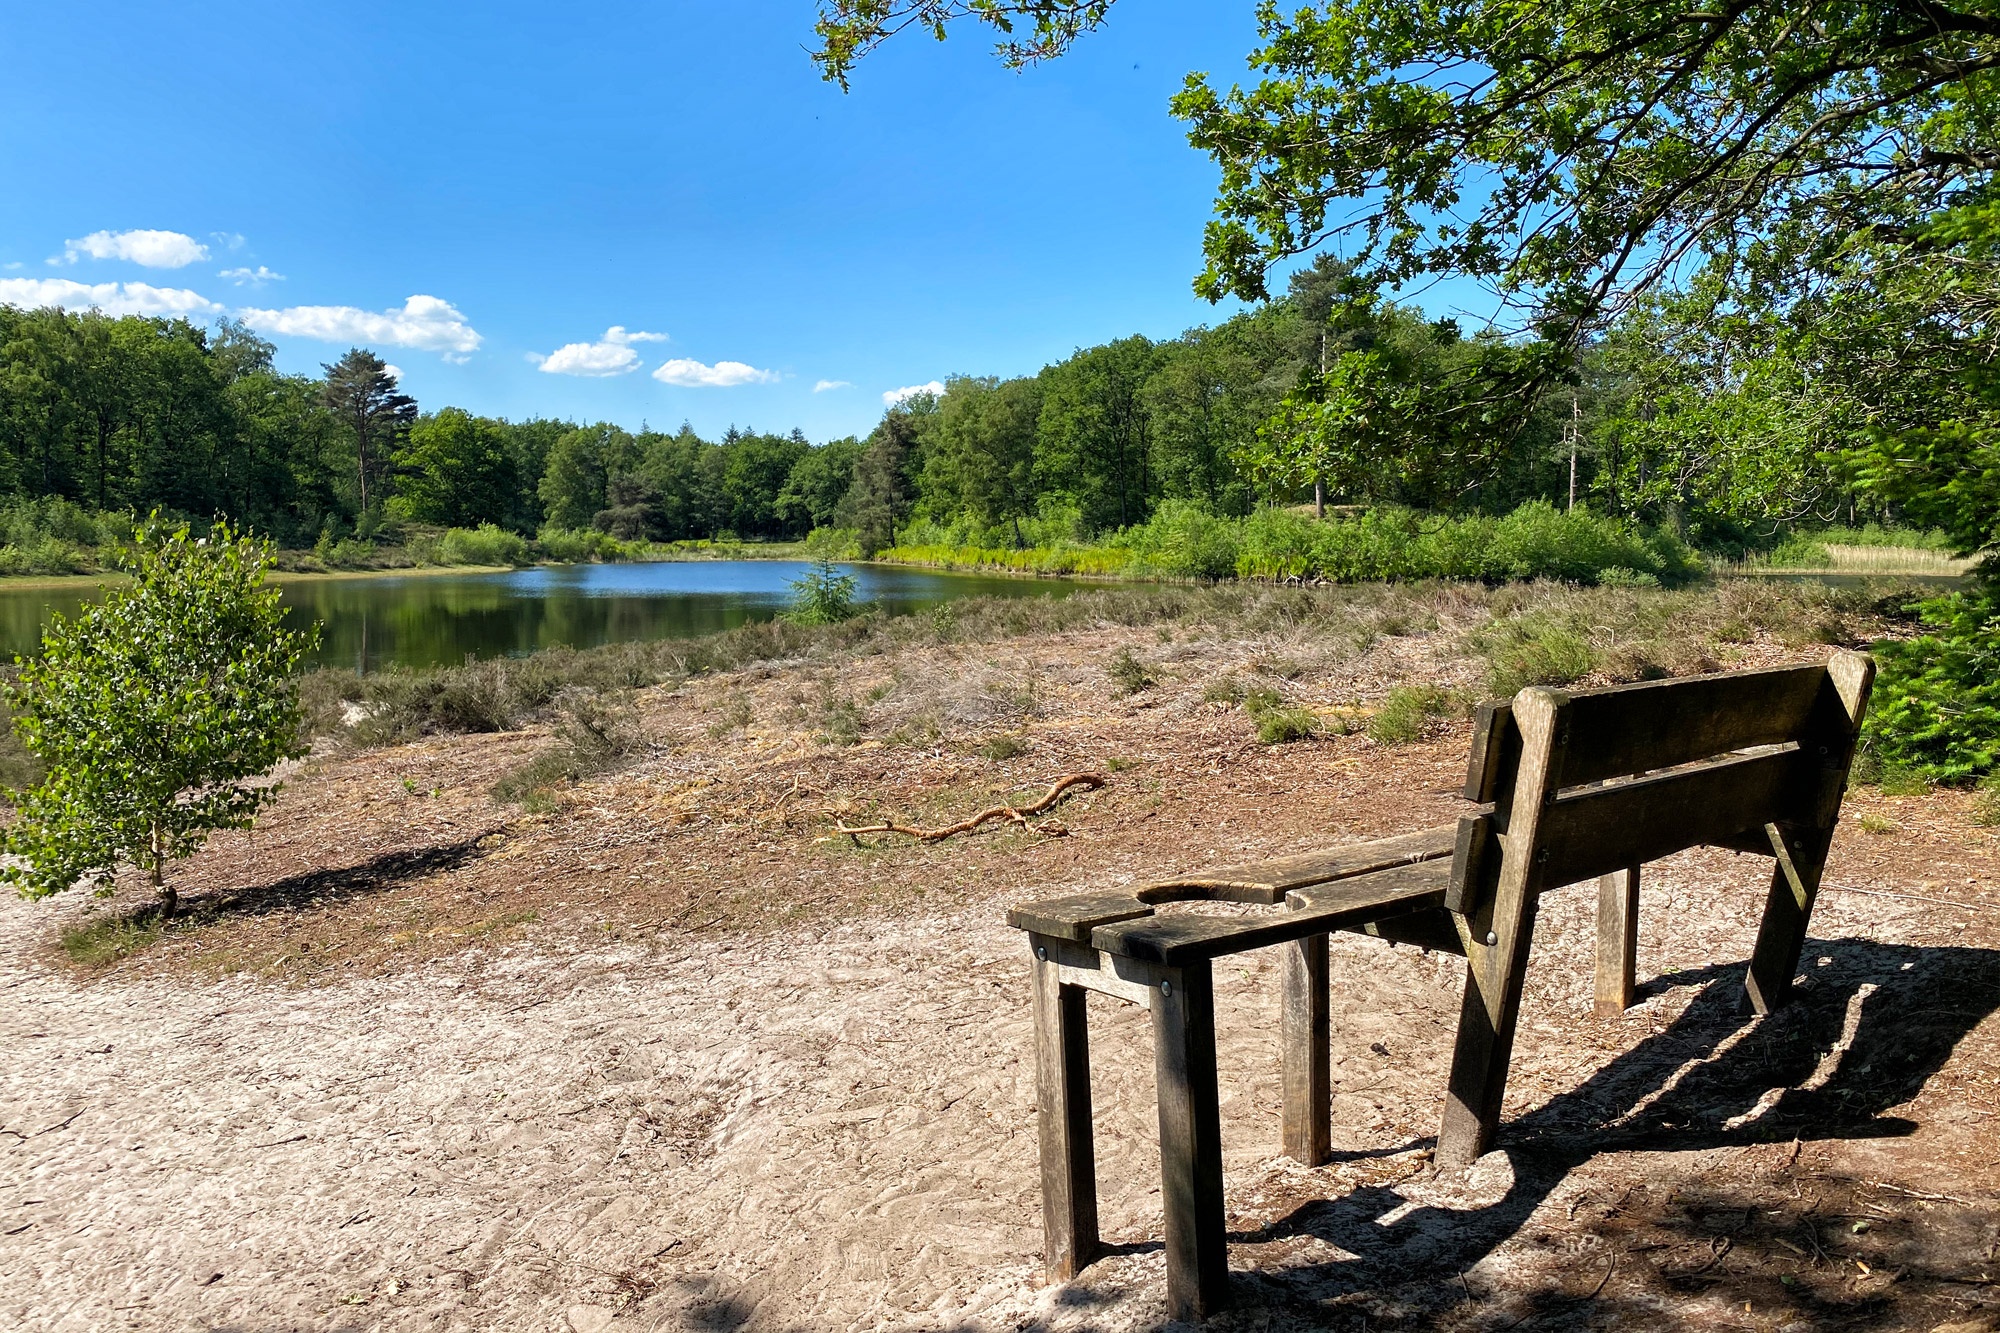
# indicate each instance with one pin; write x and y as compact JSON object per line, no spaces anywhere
{"x":170,"y":899}
{"x":1319,"y":498}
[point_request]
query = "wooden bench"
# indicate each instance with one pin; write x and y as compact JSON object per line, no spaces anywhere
{"x":1572,"y":787}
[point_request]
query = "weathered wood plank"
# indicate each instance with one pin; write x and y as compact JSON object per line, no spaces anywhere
{"x":1062,"y":1083}
{"x":1801,"y":850}
{"x":1592,"y":832}
{"x":1630,"y":729}
{"x":1434,"y":928}
{"x":1617,"y":941}
{"x":1496,"y":753}
{"x":1177,"y":941}
{"x":1190,"y":1144}
{"x":1474,"y":862}
{"x":1498,"y":938}
{"x":1307,"y":1036}
{"x":1269,"y":881}
{"x":1074,"y":917}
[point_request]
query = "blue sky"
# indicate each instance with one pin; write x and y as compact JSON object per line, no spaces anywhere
{"x":473,"y":189}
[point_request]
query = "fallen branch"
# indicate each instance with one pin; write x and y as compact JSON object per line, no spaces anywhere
{"x":1018,"y":814}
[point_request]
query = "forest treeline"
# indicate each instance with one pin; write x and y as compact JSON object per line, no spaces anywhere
{"x":1327,"y":394}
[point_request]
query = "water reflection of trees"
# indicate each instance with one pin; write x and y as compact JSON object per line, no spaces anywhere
{"x":432,"y":619}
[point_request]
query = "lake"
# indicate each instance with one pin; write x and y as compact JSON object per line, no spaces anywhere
{"x":428,"y":619}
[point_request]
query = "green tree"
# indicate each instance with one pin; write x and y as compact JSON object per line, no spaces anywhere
{"x":579,"y":468}
{"x":817,"y":484}
{"x":752,"y":477}
{"x":455,"y":469}
{"x":362,"y":394}
{"x":1095,"y":442}
{"x":1205,"y":402}
{"x":684,"y":474}
{"x":885,"y":475}
{"x":982,"y":463}
{"x":155,"y":711}
{"x":1348,"y":429}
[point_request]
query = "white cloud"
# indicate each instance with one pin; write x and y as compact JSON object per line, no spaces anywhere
{"x":152,"y":249}
{"x":393,"y":372}
{"x":113,"y":298}
{"x":251,"y":277}
{"x":229,"y":240}
{"x":824,"y":385}
{"x":12,"y":266}
{"x":424,"y":322}
{"x":903,"y":395}
{"x":721,"y":375}
{"x":610,"y":355}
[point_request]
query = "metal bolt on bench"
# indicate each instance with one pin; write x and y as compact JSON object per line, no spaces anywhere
{"x":1574,"y":786}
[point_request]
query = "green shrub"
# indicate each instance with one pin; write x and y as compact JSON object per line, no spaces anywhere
{"x":823,"y":595}
{"x":487,"y":544}
{"x":1986,"y":804}
{"x":576,"y":546}
{"x":1279,"y":722}
{"x":1224,"y":690}
{"x":157,"y":712}
{"x":1277,"y":726}
{"x":840,"y":721}
{"x":1800,"y":551}
{"x":593,"y":734}
{"x":1407,"y":714}
{"x":1531,"y":650}
{"x":1003,"y":747}
{"x":1182,"y":540}
{"x":1128,"y":674}
{"x":1936,"y":705}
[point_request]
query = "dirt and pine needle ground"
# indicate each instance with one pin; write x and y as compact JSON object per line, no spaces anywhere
{"x":661,"y":1051}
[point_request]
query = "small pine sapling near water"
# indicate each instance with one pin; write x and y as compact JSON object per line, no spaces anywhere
{"x":154,"y":710}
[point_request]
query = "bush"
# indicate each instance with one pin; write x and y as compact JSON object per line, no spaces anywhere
{"x":1182,"y":540}
{"x":1407,"y":714}
{"x":823,"y":595}
{"x":487,"y":544}
{"x":157,"y":711}
{"x":1533,"y":650}
{"x":1799,"y":551}
{"x":1986,"y":805}
{"x":1128,"y":674}
{"x":593,"y":734}
{"x":1936,"y":705}
{"x":576,"y":546}
{"x":1277,"y":726}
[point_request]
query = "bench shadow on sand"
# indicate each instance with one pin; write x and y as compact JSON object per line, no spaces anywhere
{"x":1713,"y":1078}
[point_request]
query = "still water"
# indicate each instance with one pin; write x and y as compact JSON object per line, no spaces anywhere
{"x":428,"y":619}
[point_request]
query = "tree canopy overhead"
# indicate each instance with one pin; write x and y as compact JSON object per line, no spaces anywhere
{"x":1572,"y":152}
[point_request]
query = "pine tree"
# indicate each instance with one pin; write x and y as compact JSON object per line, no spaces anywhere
{"x":362,"y":393}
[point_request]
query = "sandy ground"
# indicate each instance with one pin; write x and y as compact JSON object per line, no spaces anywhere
{"x":611,"y":1111}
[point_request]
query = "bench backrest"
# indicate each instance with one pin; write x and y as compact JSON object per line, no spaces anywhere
{"x":1587,"y":782}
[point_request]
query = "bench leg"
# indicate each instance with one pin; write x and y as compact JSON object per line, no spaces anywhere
{"x":1617,"y":940}
{"x":1787,"y":912}
{"x":1486,"y":1020}
{"x":1062,"y":1080}
{"x":1190,"y":1142}
{"x":1307,"y":1059}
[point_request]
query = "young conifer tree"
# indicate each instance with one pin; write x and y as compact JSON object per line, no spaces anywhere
{"x":154,"y":710}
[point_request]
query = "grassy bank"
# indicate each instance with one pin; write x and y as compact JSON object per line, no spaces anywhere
{"x":1536,"y":541}
{"x":1514,"y":635}
{"x":1868,"y":550}
{"x":46,"y":539}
